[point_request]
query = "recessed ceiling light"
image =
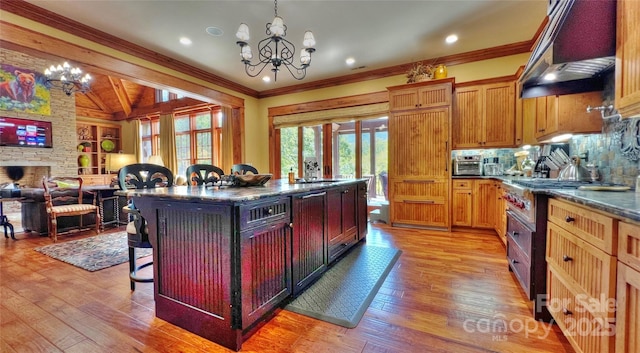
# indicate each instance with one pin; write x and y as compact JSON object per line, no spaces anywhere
{"x":452,"y":38}
{"x":550,"y":77}
{"x":185,"y":41}
{"x":214,"y":31}
{"x":266,"y":79}
{"x":350,"y":61}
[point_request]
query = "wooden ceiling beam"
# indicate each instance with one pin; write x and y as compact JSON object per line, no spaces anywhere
{"x":93,"y":113}
{"x":98,"y":102}
{"x":169,"y":106}
{"x":121,"y":93}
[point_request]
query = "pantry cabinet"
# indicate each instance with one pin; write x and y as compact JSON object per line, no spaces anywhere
{"x":627,"y":71}
{"x":484,"y":115}
{"x":419,"y":154}
{"x":557,"y":115}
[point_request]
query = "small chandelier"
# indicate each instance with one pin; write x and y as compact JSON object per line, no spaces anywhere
{"x":67,"y":78}
{"x":275,"y":50}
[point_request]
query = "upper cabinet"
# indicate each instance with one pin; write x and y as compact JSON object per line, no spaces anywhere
{"x":557,"y":115}
{"x":420,"y":95}
{"x":484,"y":116}
{"x":627,"y":100}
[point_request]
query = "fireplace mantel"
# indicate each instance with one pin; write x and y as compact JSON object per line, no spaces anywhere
{"x":25,"y":164}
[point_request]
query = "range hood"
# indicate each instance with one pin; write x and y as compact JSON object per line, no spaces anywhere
{"x":578,"y":46}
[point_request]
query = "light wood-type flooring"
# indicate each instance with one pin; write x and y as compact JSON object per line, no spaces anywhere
{"x":448,"y":292}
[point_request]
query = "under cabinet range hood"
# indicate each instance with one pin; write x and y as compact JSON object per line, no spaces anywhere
{"x":578,"y":46}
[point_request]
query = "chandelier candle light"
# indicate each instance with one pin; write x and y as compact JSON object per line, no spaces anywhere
{"x":67,"y":78}
{"x":275,"y":50}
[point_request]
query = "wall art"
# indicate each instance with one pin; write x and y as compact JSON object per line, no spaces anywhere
{"x":24,"y":90}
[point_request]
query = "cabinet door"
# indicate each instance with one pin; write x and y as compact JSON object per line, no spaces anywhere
{"x":362,"y":211}
{"x":627,"y":69}
{"x":461,"y":205}
{"x":418,"y":143}
{"x":265,"y":269}
{"x":309,"y":249}
{"x":499,"y":115}
{"x":483,"y":204}
{"x":342,"y":224}
{"x":501,"y":213}
{"x":468,"y":124}
{"x":628,"y":310}
{"x":529,"y":109}
{"x":403,"y":99}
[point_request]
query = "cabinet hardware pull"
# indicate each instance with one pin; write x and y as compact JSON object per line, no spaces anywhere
{"x":569,"y":219}
{"x":567,"y":258}
{"x":270,"y":211}
{"x":446,"y":161}
{"x":291,"y":225}
{"x":515,"y":234}
{"x":566,"y":311}
{"x":345,"y":191}
{"x":514,"y":261}
{"x":418,"y":181}
{"x":313,"y":195}
{"x":423,"y":202}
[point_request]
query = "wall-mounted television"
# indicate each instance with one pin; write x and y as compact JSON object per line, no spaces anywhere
{"x":25,"y":133}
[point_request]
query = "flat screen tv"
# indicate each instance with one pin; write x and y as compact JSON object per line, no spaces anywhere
{"x":25,"y":133}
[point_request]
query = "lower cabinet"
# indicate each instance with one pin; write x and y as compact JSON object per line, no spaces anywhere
{"x":478,"y":203}
{"x":309,"y":245}
{"x":342,"y":219}
{"x":628,"y":290}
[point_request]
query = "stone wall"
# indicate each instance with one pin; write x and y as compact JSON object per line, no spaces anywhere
{"x":62,"y":158}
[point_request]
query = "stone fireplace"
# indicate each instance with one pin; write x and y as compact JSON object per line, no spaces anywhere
{"x":32,"y":177}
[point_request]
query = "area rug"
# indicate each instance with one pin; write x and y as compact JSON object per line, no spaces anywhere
{"x":93,"y":253}
{"x":343,"y":294}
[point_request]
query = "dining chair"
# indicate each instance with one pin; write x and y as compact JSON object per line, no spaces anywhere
{"x":243,"y":169}
{"x":203,"y":174}
{"x":140,"y":176}
{"x":63,"y":197}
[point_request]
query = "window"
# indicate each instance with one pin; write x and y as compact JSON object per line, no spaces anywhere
{"x":163,"y":95}
{"x":198,"y":137}
{"x":150,"y":137}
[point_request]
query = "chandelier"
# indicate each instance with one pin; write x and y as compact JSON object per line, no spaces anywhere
{"x":275,"y":50}
{"x":67,"y":78}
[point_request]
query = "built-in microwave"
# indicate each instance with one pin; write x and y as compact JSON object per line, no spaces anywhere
{"x":467,"y":165}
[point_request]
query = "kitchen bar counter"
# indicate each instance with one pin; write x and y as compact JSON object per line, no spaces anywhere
{"x":226,"y":257}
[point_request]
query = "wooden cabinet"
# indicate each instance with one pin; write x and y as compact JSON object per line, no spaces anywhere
{"x":581,"y":271}
{"x":484,"y":116}
{"x":500,"y":219}
{"x":628,"y":291}
{"x":528,"y":109}
{"x":342,"y":219}
{"x":419,"y":96}
{"x":419,"y":156}
{"x":309,"y":245}
{"x":461,"y":203}
{"x":627,"y":75}
{"x":95,"y":140}
{"x":484,"y":209}
{"x":362,"y":210}
{"x":556,"y":115}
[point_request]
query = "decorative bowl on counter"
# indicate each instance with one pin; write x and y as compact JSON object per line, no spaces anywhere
{"x":250,"y":179}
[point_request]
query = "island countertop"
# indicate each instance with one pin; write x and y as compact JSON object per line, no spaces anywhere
{"x":277,"y":187}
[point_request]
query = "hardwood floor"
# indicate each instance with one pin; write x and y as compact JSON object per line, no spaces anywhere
{"x":448,"y":292}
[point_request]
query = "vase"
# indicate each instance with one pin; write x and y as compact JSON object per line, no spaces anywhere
{"x":84,"y":160}
{"x":440,"y":72}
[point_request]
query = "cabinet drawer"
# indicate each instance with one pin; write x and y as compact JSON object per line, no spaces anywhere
{"x":595,"y":228}
{"x":589,"y":270}
{"x":628,"y":314}
{"x":588,"y":332}
{"x":520,"y":265}
{"x":519,"y":233}
{"x":629,"y":244}
{"x":260,"y":213}
{"x":430,"y":213}
{"x":341,"y":244}
{"x":420,"y":188}
{"x":462,"y":184}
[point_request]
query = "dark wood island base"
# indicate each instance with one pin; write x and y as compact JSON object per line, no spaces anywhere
{"x":225,"y":258}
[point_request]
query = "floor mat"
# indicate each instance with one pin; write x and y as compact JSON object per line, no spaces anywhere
{"x":343,"y":294}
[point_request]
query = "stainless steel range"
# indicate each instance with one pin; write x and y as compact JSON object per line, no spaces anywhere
{"x":526,"y":235}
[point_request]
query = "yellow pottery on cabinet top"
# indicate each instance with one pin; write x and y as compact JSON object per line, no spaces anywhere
{"x":440,"y":72}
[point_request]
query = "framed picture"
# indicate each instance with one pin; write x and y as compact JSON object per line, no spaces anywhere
{"x":23,"y":90}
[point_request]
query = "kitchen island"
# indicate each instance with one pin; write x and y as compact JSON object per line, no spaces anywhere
{"x":225,"y":257}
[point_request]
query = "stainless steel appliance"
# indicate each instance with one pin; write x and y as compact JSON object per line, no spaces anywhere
{"x":526,"y":235}
{"x":467,"y":165}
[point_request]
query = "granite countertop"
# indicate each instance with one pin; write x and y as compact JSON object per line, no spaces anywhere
{"x":278,"y":187}
{"x":625,"y":204}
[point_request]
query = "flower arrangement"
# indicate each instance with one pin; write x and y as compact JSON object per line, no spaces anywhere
{"x":419,"y":72}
